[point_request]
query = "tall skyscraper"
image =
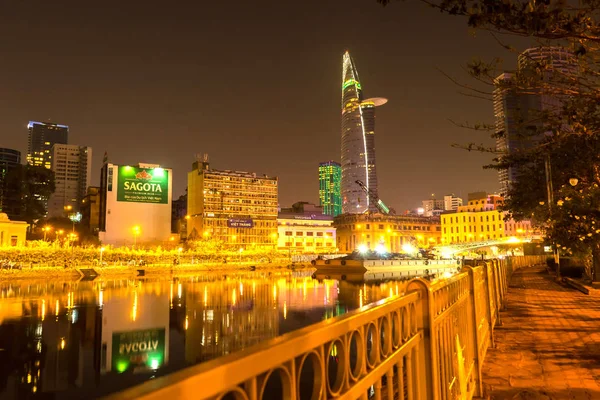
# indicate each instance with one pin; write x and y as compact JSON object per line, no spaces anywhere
{"x":42,"y":136}
{"x":358,"y":141}
{"x":330,"y":188}
{"x":517,"y":112}
{"x":9,"y":159}
{"x":72,"y":167}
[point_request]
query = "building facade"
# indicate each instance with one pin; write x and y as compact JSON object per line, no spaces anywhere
{"x":330,"y":188}
{"x":518,"y":112}
{"x":42,"y":136}
{"x":72,"y":167}
{"x":481,"y":220}
{"x":431,"y":206}
{"x":135,"y":204}
{"x":304,"y":228}
{"x":358,"y":142}
{"x":90,"y":209}
{"x":178,"y":214}
{"x":234,"y":207}
{"x":452,"y":202}
{"x":9,"y":159}
{"x":12,"y":233}
{"x":391,"y":231}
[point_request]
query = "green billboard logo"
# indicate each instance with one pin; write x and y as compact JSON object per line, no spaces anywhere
{"x":143,"y":185}
{"x":142,"y":349}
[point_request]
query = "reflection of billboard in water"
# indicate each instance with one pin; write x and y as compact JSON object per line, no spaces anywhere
{"x":141,"y":349}
{"x":135,"y":330}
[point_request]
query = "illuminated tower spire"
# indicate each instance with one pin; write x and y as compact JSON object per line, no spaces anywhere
{"x":358,"y":141}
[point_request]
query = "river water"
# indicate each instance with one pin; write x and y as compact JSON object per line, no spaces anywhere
{"x":74,"y":340}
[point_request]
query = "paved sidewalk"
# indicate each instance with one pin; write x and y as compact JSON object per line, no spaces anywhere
{"x":548,"y":346}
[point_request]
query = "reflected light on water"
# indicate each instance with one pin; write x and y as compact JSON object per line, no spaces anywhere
{"x":218,"y":315}
{"x":134,"y":309}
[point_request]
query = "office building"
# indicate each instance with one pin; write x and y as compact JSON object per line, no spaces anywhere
{"x":518,"y":111}
{"x":452,"y":202}
{"x":391,"y":231}
{"x":235,"y":207}
{"x":482,"y":220}
{"x":72,"y":167}
{"x":304,"y":228}
{"x":330,"y":188}
{"x":42,"y":136}
{"x":9,"y":159}
{"x":432,"y":207}
{"x":135,"y":204}
{"x":358,"y":142}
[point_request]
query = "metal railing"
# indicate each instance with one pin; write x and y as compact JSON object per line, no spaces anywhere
{"x":426,"y":344}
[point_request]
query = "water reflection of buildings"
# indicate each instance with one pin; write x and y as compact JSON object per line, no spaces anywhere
{"x":45,"y":344}
{"x":58,"y":338}
{"x":228,"y":315}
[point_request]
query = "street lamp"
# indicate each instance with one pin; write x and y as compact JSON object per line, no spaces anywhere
{"x":58,"y":233}
{"x":136,"y":231}
{"x":45,"y":230}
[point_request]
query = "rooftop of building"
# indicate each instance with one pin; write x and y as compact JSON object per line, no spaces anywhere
{"x":331,"y":162}
{"x":205,"y":168}
{"x":32,"y":123}
{"x":377,"y":217}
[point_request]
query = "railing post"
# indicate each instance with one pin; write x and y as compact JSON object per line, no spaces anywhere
{"x":490,"y":301}
{"x":427,"y":363}
{"x":477,"y":358}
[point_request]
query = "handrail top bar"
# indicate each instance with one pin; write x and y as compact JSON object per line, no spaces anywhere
{"x":244,"y":362}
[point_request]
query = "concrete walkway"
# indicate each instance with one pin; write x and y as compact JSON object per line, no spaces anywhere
{"x":548,"y":346}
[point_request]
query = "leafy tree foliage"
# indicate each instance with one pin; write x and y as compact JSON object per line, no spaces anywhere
{"x":27,"y":190}
{"x":563,"y":138}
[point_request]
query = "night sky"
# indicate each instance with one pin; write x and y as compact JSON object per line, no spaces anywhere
{"x":255,"y":84}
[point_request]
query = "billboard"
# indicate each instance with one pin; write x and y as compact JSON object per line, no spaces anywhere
{"x":143,"y":185}
{"x":138,"y":350}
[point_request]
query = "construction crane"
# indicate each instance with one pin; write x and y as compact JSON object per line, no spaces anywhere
{"x":373,"y":197}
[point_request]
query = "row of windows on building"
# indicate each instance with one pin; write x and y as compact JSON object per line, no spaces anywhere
{"x":308,"y":233}
{"x":395,"y":227}
{"x":308,"y":244}
{"x":485,"y":228}
{"x":456,"y":220}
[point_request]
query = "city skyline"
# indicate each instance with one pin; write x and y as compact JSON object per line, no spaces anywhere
{"x":134,"y":94}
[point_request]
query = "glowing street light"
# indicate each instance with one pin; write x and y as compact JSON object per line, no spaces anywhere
{"x":46,"y":229}
{"x":362,"y":248}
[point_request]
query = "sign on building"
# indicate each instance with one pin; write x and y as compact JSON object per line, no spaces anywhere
{"x":240,"y":223}
{"x":143,"y":185}
{"x":141,"y":349}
